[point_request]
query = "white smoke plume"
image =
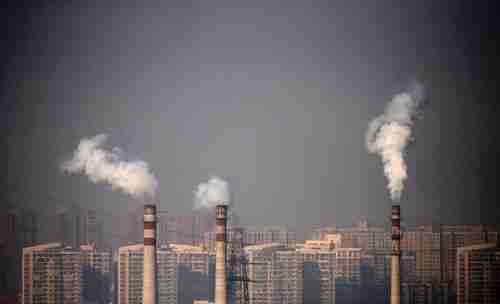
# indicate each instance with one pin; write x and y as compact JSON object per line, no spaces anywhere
{"x":212,"y":193}
{"x":389,"y":134}
{"x":106,"y":166}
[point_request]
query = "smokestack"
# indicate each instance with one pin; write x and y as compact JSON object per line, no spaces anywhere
{"x":220,"y":254}
{"x":396,"y":255}
{"x":149,"y":276}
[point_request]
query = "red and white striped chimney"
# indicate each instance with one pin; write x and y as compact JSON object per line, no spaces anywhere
{"x":220,"y":254}
{"x":396,"y":255}
{"x":149,"y":275}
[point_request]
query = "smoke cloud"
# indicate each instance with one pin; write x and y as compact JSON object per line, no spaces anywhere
{"x":389,"y":134}
{"x":106,"y":166}
{"x":212,"y":193}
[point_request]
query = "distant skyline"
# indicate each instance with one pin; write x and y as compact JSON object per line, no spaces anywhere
{"x":273,"y":97}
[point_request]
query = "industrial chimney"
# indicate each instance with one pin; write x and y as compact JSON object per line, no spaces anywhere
{"x":149,"y":276}
{"x":396,"y":255}
{"x":220,"y":254}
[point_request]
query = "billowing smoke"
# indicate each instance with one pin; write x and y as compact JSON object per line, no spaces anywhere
{"x":212,"y":193}
{"x":107,"y":166}
{"x":390,"y":133}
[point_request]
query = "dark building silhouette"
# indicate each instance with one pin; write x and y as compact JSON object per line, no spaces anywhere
{"x":74,"y":226}
{"x":312,"y":283}
{"x":18,"y":228}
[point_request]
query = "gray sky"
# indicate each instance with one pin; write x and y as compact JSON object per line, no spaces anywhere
{"x":274,"y":97}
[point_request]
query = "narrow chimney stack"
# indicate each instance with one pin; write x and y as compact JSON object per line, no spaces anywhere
{"x":396,"y":255}
{"x":149,"y":275}
{"x":220,"y":254}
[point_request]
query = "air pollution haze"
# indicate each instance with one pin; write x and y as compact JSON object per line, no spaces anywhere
{"x":389,"y":134}
{"x":212,"y":193}
{"x":107,"y":166}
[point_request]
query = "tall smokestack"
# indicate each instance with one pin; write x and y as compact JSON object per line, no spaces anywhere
{"x":396,"y":255}
{"x":149,"y":276}
{"x":220,"y":254}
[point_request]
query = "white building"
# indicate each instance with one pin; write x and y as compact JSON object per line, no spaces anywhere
{"x":130,"y":271}
{"x":53,"y":274}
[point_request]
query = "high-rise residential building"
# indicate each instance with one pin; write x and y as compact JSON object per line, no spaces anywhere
{"x":134,"y":233}
{"x":130,"y":265}
{"x":63,"y":226}
{"x":428,"y":260}
{"x":39,"y":279}
{"x":375,"y":276}
{"x":54,"y":274}
{"x":333,"y":241}
{"x":478,"y":274}
{"x":209,"y":240}
{"x":319,"y":274}
{"x":454,"y":237}
{"x":18,"y":228}
{"x":425,"y":241}
{"x":74,"y":226}
{"x":362,"y":236}
{"x":130,"y":272}
{"x":181,"y":229}
{"x":408,"y":265}
{"x":435,"y":250}
{"x":276,"y":272}
{"x":194,"y":272}
{"x":90,"y":228}
{"x":96,"y":274}
{"x":347,"y":275}
{"x":321,"y":233}
{"x":254,"y":236}
{"x":306,"y":274}
{"x":269,"y":234}
{"x":260,"y":272}
{"x":348,"y":264}
{"x":167,"y":277}
{"x":162,"y":228}
{"x":288,"y":277}
{"x":436,"y":247}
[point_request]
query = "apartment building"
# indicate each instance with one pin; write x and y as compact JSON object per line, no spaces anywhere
{"x":478,"y":274}
{"x":130,"y":271}
{"x":319,"y":275}
{"x":54,"y":274}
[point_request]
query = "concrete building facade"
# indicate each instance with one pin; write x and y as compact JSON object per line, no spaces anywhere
{"x":304,"y":274}
{"x":18,"y":229}
{"x":53,"y":274}
{"x":319,"y":275}
{"x":478,"y":274}
{"x":130,"y":275}
{"x":254,"y":236}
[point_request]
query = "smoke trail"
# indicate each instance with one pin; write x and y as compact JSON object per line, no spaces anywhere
{"x":390,"y":133}
{"x":212,"y":193}
{"x":107,"y":166}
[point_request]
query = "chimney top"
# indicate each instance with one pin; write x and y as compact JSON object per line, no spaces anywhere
{"x":150,"y":208}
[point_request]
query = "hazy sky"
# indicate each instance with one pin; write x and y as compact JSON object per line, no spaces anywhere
{"x":273,"y":96}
